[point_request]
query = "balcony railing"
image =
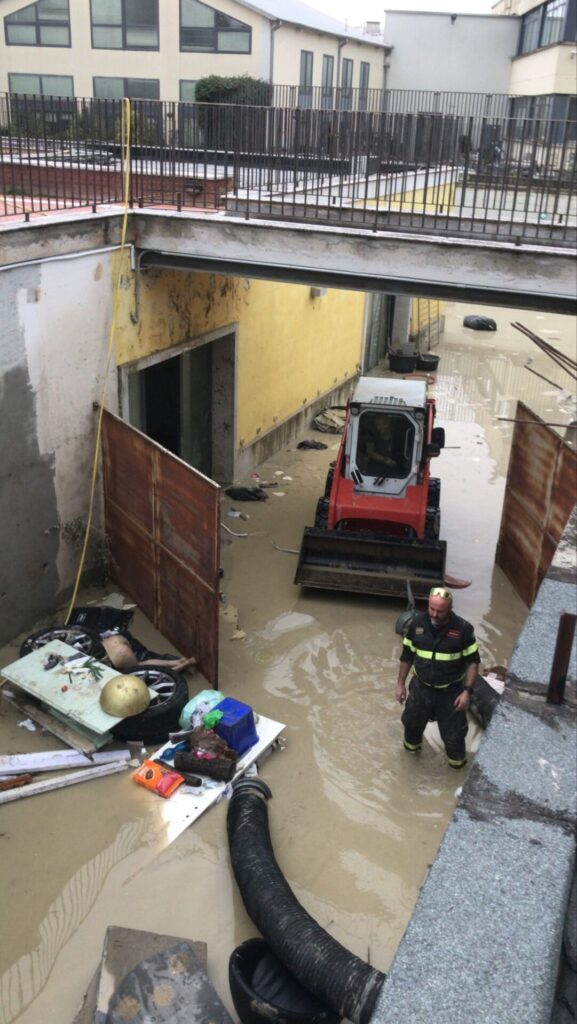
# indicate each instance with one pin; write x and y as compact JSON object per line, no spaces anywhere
{"x":459,"y":175}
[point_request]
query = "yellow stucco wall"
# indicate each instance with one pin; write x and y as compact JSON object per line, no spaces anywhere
{"x":292,"y":348}
{"x":289,"y":41}
{"x":425,"y":316}
{"x":420,"y":200}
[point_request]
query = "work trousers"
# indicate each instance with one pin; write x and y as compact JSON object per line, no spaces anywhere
{"x":425,"y":704}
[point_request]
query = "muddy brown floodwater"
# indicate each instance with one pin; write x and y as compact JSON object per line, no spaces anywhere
{"x":355,"y":822}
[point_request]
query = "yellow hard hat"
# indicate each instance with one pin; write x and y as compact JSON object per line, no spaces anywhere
{"x":124,"y":696}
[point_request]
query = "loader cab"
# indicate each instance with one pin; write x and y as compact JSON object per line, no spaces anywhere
{"x":384,"y":448}
{"x":385,"y":445}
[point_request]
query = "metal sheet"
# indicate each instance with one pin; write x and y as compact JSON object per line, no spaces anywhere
{"x":162,"y":526}
{"x":539,"y":497}
{"x":128,"y":467}
{"x":186,"y":607}
{"x":188,"y":517}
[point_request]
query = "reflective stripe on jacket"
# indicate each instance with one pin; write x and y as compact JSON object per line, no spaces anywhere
{"x":440,"y":656}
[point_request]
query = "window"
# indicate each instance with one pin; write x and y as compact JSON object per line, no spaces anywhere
{"x":203,"y":29}
{"x":327,"y":81}
{"x":306,"y":75}
{"x":347,"y":74}
{"x":46,"y":23}
{"x":554,"y":22}
{"x":364,"y":84}
{"x":306,"y":79}
{"x":124,"y":24}
{"x":41,"y":85}
{"x":346,"y":90}
{"x":133,"y":88}
{"x":328,"y":71}
{"x":385,"y":445}
{"x":187,"y":92}
{"x":530,"y":30}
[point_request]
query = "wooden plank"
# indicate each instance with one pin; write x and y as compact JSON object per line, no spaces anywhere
{"x":47,"y":721}
{"x":55,"y":760}
{"x":46,"y":785}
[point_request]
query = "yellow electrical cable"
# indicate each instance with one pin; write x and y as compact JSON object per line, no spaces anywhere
{"x":125,"y":126}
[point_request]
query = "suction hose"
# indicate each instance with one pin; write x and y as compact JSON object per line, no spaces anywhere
{"x":342,"y":981}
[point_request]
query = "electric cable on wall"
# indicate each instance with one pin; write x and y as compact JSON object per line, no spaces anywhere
{"x":125,"y":127}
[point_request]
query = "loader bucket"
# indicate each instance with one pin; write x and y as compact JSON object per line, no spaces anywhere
{"x":368,"y":563}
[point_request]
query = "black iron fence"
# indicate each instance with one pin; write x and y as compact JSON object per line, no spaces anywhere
{"x":392,"y":101}
{"x":483,"y":176}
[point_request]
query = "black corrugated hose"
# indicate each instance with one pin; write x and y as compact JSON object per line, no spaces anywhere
{"x":342,"y":981}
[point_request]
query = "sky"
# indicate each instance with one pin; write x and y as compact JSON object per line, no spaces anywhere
{"x":356,"y":12}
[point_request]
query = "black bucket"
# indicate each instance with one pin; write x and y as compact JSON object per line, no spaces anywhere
{"x":263,"y":990}
{"x":402,"y":364}
{"x":427,"y":361}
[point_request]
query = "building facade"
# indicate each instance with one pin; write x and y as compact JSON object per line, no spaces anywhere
{"x":544,"y":66}
{"x":159,"y":49}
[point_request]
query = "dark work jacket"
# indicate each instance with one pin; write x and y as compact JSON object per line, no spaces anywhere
{"x":440,"y":657}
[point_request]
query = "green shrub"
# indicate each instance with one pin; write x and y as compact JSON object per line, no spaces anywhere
{"x":234,"y":89}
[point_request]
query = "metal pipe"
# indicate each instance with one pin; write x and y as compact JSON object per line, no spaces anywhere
{"x":565,"y":634}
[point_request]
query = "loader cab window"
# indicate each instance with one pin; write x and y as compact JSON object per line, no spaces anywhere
{"x":385,"y":445}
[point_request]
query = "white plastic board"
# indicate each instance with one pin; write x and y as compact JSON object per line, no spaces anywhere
{"x":188,"y":803}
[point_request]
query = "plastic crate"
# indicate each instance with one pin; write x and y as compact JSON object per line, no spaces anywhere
{"x":236,"y":725}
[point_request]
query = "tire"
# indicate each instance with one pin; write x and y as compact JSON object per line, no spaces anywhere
{"x":161,"y":717}
{"x":433,"y":524}
{"x":322,"y":514}
{"x":434,"y":496}
{"x":330,"y":478}
{"x":85,"y":640}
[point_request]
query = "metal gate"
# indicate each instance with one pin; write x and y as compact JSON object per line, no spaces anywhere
{"x":539,"y":498}
{"x":162,"y":528}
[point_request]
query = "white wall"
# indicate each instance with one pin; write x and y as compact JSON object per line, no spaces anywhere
{"x":432,"y":51}
{"x":53,"y":344}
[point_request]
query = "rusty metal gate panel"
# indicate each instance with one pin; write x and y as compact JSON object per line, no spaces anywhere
{"x":162,"y":528}
{"x":539,"y":497}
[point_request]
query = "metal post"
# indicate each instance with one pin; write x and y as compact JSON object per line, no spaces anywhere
{"x":563,"y":646}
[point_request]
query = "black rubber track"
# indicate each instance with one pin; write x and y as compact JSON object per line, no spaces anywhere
{"x":342,"y":981}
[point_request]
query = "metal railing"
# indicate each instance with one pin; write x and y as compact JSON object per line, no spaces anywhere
{"x":477,"y":176}
{"x":392,"y":101}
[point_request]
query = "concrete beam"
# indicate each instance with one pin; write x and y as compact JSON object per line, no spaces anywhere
{"x":495,"y":273}
{"x":529,"y":277}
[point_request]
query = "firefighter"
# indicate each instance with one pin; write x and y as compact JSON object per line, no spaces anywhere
{"x":444,"y":654}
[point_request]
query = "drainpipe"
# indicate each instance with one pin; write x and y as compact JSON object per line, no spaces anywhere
{"x":341,"y":43}
{"x":274,"y":28}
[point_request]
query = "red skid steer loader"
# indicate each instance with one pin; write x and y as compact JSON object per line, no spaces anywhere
{"x":377,"y":527}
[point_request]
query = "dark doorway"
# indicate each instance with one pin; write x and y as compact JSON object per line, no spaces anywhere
{"x":186,"y":404}
{"x":161,"y":393}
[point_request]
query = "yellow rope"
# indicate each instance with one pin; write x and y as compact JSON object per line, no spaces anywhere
{"x":125,"y":153}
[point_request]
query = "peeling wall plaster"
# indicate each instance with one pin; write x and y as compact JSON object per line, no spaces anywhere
{"x":53,"y":340}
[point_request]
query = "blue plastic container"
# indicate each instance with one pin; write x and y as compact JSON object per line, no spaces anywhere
{"x":236,"y":725}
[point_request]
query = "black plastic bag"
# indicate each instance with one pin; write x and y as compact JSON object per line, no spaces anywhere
{"x":246,"y":493}
{"x":480,"y":323}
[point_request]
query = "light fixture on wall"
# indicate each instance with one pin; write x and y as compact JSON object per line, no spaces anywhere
{"x":317,"y":293}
